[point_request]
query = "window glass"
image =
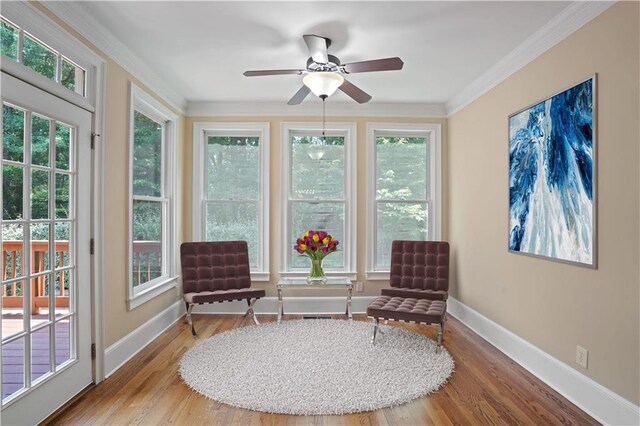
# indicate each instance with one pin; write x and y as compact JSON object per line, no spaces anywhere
{"x":147,"y":219}
{"x":147,"y":156}
{"x":38,"y":58}
{"x":8,"y":41}
{"x":12,"y":133}
{"x":72,"y":77}
{"x":233,"y":168}
{"x":317,"y":168}
{"x":234,"y":221}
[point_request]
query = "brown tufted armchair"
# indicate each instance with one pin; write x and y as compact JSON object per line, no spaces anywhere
{"x":217,"y":272}
{"x":419,"y":285}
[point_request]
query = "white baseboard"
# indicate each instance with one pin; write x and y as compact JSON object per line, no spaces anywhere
{"x":292,"y":305}
{"x":599,"y":402}
{"x":124,"y":349}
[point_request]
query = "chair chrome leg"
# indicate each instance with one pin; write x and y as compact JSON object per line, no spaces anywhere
{"x":189,"y":319}
{"x":440,"y":330}
{"x":375,"y":330}
{"x":250,"y":303}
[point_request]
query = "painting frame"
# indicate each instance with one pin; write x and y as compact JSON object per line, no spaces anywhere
{"x":580,"y":254}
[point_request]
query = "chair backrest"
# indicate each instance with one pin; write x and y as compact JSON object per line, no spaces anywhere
{"x":217,"y":265}
{"x":420,"y":264}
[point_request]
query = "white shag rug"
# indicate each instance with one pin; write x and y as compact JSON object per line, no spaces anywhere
{"x":315,"y":367}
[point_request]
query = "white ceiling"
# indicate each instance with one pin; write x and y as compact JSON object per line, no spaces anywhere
{"x":200,"y":49}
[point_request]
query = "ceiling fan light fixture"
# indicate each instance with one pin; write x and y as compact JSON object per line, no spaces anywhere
{"x":323,"y":83}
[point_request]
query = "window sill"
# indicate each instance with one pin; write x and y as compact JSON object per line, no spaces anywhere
{"x":150,"y":293}
{"x":260,"y":276}
{"x":301,"y":274}
{"x":378,"y":275}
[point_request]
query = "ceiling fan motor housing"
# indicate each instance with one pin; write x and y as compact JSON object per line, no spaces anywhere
{"x":332,"y":65}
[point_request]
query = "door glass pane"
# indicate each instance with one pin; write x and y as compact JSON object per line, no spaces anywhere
{"x":401,"y":168}
{"x":62,"y":196}
{"x":62,"y":288}
{"x":315,"y":176}
{"x":39,"y":194}
{"x":233,"y":168}
{"x":63,"y":341}
{"x":147,"y":156}
{"x":39,"y":247}
{"x":9,"y":41}
{"x":39,"y":300}
{"x":328,"y":217}
{"x":12,"y":249}
{"x":12,"y":180}
{"x":40,"y":354}
{"x":147,"y":244}
{"x":12,"y":133}
{"x":38,"y":58}
{"x":62,"y":244}
{"x":12,"y":317}
{"x":234,"y":221}
{"x":12,"y":367}
{"x":63,"y":144}
{"x":398,"y":221}
{"x":40,"y":140}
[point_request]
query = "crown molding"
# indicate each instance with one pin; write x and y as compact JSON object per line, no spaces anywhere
{"x":314,"y":109}
{"x":77,"y":18}
{"x":573,"y":17}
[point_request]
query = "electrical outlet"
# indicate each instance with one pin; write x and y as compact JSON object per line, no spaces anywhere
{"x":582,"y":356}
{"x":359,"y":286}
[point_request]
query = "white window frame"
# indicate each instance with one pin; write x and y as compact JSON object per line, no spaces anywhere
{"x":144,"y":103}
{"x":348,"y":246}
{"x":201,"y":133}
{"x":434,"y":184}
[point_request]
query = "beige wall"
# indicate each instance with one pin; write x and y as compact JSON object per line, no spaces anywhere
{"x":556,"y":306}
{"x":370,"y":287}
{"x":118,"y":321}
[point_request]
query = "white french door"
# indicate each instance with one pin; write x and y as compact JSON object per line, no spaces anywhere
{"x":46,"y":287}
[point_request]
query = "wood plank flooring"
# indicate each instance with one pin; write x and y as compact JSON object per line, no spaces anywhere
{"x":486,"y":388}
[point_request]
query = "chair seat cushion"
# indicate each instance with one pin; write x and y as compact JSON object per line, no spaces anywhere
{"x":224,"y":295}
{"x":416,"y":293}
{"x":408,"y":309}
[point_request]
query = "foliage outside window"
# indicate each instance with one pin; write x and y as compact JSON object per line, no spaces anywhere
{"x":401,"y":191}
{"x":319,"y":194}
{"x":231,"y":178}
{"x":18,"y":45}
{"x":151,"y":151}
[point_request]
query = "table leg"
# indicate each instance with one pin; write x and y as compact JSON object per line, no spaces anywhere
{"x":280,"y":306}
{"x":349,"y":308}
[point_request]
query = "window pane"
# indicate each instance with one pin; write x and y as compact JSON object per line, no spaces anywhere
{"x":9,"y":41}
{"x":38,"y":58}
{"x":12,"y":180}
{"x":40,"y":346}
{"x":147,"y":156}
{"x":12,"y":367}
{"x":317,"y":169}
{"x":398,"y":221}
{"x":63,"y":341}
{"x":12,"y":133}
{"x":234,"y":221}
{"x":72,"y":77}
{"x":63,"y":144}
{"x":62,"y":196}
{"x":233,"y":168}
{"x":401,"y":168}
{"x":13,"y":250}
{"x":327,"y":217}
{"x":40,"y":140}
{"x":39,"y":194}
{"x":39,"y":247}
{"x":147,"y":241}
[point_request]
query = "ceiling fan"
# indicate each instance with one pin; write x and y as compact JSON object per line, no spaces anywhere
{"x":324,"y":72}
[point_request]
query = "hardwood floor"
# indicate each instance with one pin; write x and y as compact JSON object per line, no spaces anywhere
{"x":486,"y":388}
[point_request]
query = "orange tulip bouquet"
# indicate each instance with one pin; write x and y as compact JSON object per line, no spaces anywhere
{"x":316,"y":245}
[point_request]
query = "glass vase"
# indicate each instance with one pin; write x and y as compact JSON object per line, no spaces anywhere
{"x":316,"y":273}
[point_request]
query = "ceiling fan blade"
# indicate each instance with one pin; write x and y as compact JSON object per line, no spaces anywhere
{"x":299,"y":96}
{"x":387,"y":64}
{"x":271,"y":72}
{"x":317,"y":47}
{"x":355,"y":92}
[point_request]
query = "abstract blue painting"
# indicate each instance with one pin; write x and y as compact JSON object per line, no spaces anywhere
{"x":551,"y":177}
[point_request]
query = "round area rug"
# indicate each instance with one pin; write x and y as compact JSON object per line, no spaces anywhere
{"x":315,"y":367}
